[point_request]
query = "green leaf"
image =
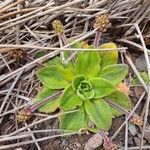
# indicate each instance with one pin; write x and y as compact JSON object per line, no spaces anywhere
{"x":74,"y":121}
{"x":144,"y":75}
{"x":82,"y":87}
{"x":40,"y":54}
{"x":102,"y":87}
{"x":75,"y":45}
{"x":100,"y":113}
{"x":87,"y":63}
{"x":114,"y":73}
{"x":94,"y":130}
{"x":49,"y":107}
{"x":69,"y":99}
{"x":120,"y":99}
{"x":55,"y":77}
{"x":77,"y":80}
{"x":108,"y":57}
{"x":85,"y":90}
{"x":53,"y":61}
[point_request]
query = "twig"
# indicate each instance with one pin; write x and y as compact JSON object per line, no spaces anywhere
{"x":11,"y":5}
{"x":22,"y":11}
{"x":148,"y":97}
{"x":33,"y":137}
{"x":38,"y":140}
{"x":40,"y":121}
{"x":10,"y":90}
{"x":136,"y":72}
{"x":41,"y":14}
{"x":133,"y":110}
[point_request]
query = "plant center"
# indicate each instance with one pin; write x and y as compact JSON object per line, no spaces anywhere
{"x":85,"y":90}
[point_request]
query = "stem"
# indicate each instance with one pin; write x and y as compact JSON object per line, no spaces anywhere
{"x":114,"y":105}
{"x":97,"y":39}
{"x":64,"y":38}
{"x":134,"y":119}
{"x":105,"y":137}
{"x":44,"y":101}
{"x":65,"y":41}
{"x":108,"y":144}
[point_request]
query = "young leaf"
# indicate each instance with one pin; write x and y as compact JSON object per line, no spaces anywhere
{"x":108,"y":57}
{"x":100,"y":113}
{"x":102,"y":87}
{"x":120,"y":99}
{"x":69,"y":99}
{"x":55,"y":77}
{"x":52,"y":105}
{"x":114,"y":73}
{"x":85,"y":90}
{"x":74,"y":121}
{"x":77,"y":80}
{"x":87,"y":63}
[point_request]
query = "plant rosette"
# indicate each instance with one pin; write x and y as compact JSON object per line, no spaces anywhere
{"x":86,"y":85}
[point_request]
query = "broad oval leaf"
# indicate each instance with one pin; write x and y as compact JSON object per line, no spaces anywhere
{"x":120,"y":99}
{"x":69,"y":99}
{"x":108,"y":57}
{"x":114,"y":73}
{"x":51,"y":105}
{"x":55,"y":77}
{"x":87,"y":63}
{"x":99,"y":113}
{"x":102,"y":87}
{"x":74,"y":121}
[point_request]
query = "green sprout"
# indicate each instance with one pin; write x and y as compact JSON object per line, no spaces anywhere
{"x":91,"y":85}
{"x":86,"y":87}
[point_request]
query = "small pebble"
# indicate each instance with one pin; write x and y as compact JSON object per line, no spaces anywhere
{"x":94,"y":142}
{"x":140,"y":63}
{"x":132,"y":129}
{"x":64,"y":143}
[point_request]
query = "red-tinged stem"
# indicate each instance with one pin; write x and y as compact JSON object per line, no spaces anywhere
{"x":97,"y":39}
{"x":135,"y":119}
{"x":44,"y":101}
{"x":65,"y":41}
{"x":64,"y":38}
{"x":114,"y":105}
{"x":108,"y":144}
{"x":105,"y":137}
